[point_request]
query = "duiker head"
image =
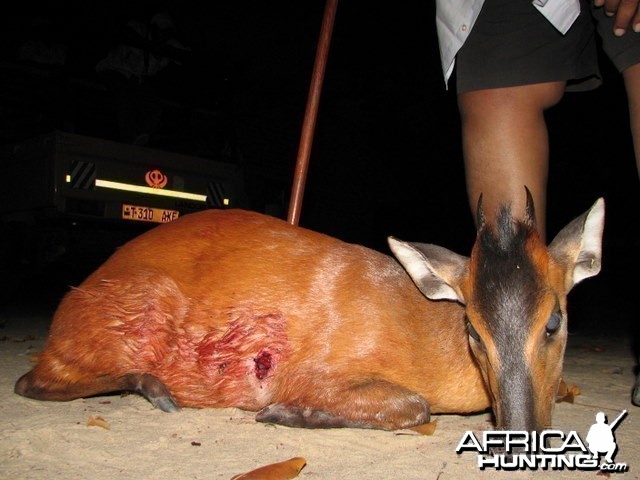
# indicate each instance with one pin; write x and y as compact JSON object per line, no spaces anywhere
{"x":514,"y":289}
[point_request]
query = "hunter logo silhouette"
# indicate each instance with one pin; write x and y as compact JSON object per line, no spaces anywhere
{"x":600,"y":437}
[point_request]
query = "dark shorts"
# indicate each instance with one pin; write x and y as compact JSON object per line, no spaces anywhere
{"x":512,"y":44}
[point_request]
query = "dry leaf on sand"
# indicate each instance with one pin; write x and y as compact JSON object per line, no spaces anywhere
{"x":567,"y":392}
{"x":426,"y":428}
{"x":276,"y":471}
{"x":98,"y":422}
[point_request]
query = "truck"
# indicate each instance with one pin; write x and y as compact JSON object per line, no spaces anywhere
{"x":72,"y":198}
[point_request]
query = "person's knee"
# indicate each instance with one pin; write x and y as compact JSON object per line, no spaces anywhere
{"x":533,"y":98}
{"x":632,"y":73}
{"x":550,"y":94}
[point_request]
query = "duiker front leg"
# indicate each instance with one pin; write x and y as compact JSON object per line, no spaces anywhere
{"x":374,"y":404}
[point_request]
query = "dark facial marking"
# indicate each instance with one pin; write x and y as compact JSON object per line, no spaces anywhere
{"x":507,"y":291}
{"x":507,"y":287}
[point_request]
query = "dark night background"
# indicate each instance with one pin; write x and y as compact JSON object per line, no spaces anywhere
{"x":386,"y":157}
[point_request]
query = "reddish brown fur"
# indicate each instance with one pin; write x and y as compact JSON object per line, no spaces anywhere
{"x":196,"y":302}
{"x":545,"y":357}
{"x":233,"y":308}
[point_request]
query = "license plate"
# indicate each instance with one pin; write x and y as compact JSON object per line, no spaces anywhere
{"x":148,"y":214}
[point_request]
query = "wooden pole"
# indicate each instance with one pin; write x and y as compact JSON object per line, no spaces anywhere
{"x":311,"y":112}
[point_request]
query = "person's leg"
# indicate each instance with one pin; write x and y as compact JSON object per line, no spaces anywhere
{"x":632,"y":84}
{"x":635,"y":394}
{"x":506,"y":148}
{"x":512,"y":67}
{"x":624,"y":52}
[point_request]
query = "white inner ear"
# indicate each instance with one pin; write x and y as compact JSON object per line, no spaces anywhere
{"x":444,"y":292}
{"x":424,"y":272}
{"x":589,"y":258}
{"x":578,"y":246}
{"x":413,"y":262}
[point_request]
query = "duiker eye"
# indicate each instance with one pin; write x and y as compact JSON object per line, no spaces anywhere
{"x":473,"y":333}
{"x":553,"y":324}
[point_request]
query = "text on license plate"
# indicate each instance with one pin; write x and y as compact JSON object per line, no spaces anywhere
{"x":148,"y":214}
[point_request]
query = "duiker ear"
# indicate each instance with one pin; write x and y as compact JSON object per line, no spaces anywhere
{"x":578,"y":246}
{"x":436,"y":271}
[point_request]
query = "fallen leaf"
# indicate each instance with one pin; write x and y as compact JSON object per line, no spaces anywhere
{"x":276,"y":471}
{"x":567,"y":392}
{"x":562,"y":389}
{"x":426,"y":428}
{"x":98,"y":422}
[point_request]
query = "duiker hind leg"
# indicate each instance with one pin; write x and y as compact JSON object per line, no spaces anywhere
{"x":374,"y":404}
{"x":32,"y":386}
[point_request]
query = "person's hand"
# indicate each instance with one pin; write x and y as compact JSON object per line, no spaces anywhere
{"x":626,"y":12}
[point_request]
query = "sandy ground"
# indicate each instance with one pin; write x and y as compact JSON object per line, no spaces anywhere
{"x":50,"y":440}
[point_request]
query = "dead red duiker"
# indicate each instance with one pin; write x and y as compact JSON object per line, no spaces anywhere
{"x":234,"y":308}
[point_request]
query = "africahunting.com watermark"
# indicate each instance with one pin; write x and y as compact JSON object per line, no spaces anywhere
{"x":547,"y":450}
